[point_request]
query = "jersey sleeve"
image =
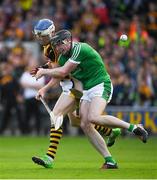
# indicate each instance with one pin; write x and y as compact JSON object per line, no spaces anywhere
{"x":76,"y":54}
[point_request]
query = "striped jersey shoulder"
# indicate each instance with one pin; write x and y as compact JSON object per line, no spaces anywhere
{"x":75,"y":50}
{"x":50,"y":53}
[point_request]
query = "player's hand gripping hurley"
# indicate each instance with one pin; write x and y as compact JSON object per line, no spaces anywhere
{"x":55,"y":120}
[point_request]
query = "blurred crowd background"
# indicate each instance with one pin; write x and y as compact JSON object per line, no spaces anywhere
{"x":133,"y":67}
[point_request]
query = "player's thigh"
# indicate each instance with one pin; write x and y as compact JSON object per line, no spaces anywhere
{"x":96,"y":108}
{"x":63,"y":104}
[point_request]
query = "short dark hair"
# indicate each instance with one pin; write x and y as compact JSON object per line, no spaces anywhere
{"x":60,"y":36}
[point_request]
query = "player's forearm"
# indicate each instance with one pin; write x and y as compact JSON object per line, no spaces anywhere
{"x":56,"y":73}
{"x":51,"y":83}
{"x":60,"y":72}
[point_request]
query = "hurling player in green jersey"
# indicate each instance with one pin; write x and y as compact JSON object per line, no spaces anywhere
{"x":84,"y":63}
{"x":69,"y":99}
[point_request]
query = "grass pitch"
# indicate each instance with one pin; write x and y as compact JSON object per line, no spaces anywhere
{"x":76,"y":159}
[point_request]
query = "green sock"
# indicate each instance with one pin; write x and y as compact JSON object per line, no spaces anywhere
{"x":131,"y":128}
{"x":110,"y":159}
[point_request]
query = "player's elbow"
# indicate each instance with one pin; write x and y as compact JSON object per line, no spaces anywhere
{"x":63,"y":74}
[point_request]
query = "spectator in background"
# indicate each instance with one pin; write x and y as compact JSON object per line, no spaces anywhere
{"x":145,"y":83}
{"x":74,"y":13}
{"x":89,"y":21}
{"x":102,"y":12}
{"x":11,"y":97}
{"x":128,"y":92}
{"x":30,"y":88}
{"x":28,"y":26}
{"x":60,"y":18}
{"x":152,"y":18}
{"x":25,"y":5}
{"x":154,"y":82}
{"x":137,"y":32}
{"x":132,"y":70}
{"x":3,"y":21}
{"x":18,"y":59}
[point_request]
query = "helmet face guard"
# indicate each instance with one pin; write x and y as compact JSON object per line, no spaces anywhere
{"x":43,"y":31}
{"x":43,"y":40}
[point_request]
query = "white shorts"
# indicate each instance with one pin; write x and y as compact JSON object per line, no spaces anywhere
{"x":98,"y":91}
{"x":66,"y":85}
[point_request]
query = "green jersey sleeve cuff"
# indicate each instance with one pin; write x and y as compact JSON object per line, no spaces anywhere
{"x":76,"y":62}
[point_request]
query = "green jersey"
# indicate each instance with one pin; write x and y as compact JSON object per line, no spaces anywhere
{"x":91,"y":70}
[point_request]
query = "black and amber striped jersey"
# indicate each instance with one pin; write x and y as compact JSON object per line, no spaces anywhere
{"x":50,"y":52}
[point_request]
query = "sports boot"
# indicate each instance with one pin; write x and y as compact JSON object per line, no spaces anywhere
{"x":111,"y":139}
{"x":141,"y":133}
{"x":45,"y":161}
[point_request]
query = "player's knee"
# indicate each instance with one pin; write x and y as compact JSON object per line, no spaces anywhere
{"x":92,"y":118}
{"x":84,"y":125}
